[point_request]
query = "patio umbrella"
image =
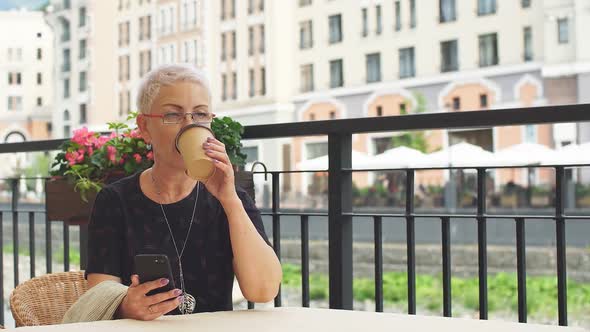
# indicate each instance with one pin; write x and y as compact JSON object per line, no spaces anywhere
{"x":321,"y":163}
{"x":400,"y":157}
{"x":461,"y":154}
{"x":524,"y":154}
{"x":570,"y":155}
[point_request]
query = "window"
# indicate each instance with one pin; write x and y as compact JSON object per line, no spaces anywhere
{"x":563,"y":31}
{"x":39,"y":101}
{"x":83,"y":82}
{"x":307,"y":78}
{"x":261,"y":5}
{"x":332,"y":115}
{"x":252,"y":82}
{"x":336,"y":74}
{"x":398,"y":16}
{"x":234,"y":82}
{"x":262,"y":81}
{"x":223,"y":9}
{"x":15,"y":103}
{"x":456,"y":103}
{"x":402,"y":109}
{"x":379,"y":110}
{"x":262,"y":43}
{"x":525,"y":3}
{"x":250,"y":40}
{"x":233,"y":8}
{"x":412,"y":14}
{"x":483,"y":100}
{"x":303,"y":3}
{"x":528,"y":43}
{"x":39,"y":78}
{"x":373,"y":67}
{"x":66,"y":60}
{"x":39,"y":54}
{"x":311,"y":117}
{"x":306,"y":35}
{"x":407,"y":66}
{"x":15,"y":78}
{"x":82,"y":49}
{"x":335,"y":28}
{"x":488,"y":50}
{"x":486,"y":7}
{"x":365,"y":16}
{"x":530,"y":134}
{"x":315,"y":150}
{"x":449,"y":56}
{"x":145,"y":62}
{"x":223,"y":47}
{"x":82,"y":16}
{"x":379,"y":27}
{"x":124,"y":34}
{"x":223,"y":87}
{"x":83,"y":118}
{"x":66,"y":88}
{"x":145,"y":28}
{"x":250,"y":7}
{"x":66,"y":123}
{"x":447,"y":11}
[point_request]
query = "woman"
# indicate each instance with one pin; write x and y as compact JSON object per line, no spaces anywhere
{"x":209,"y":231}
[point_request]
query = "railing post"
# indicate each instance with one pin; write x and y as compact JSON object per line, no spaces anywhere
{"x":560,"y":243}
{"x":340,"y":225}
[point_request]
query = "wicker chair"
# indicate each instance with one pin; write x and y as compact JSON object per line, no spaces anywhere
{"x":44,"y":300}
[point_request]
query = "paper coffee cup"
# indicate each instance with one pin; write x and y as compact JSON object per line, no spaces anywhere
{"x":189,"y":142}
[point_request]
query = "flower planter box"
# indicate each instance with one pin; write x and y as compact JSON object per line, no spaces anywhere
{"x":63,"y":203}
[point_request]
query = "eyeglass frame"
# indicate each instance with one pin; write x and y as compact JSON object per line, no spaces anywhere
{"x":184,"y":114}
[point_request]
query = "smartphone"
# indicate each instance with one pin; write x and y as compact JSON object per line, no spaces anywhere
{"x":153,"y":267}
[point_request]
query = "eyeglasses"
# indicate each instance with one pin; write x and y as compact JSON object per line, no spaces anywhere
{"x":178,"y":117}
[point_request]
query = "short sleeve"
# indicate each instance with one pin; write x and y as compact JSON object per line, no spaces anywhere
{"x":105,"y":235}
{"x":253,"y":213}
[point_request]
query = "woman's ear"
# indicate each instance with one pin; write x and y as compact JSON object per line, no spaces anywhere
{"x":142,"y":126}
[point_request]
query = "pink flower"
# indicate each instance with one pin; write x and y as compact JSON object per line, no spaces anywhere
{"x":122,"y":160}
{"x":71,"y":158}
{"x":111,"y":153}
{"x":137,"y":158}
{"x":101,"y":141}
{"x":150,"y":155}
{"x":90,"y":151}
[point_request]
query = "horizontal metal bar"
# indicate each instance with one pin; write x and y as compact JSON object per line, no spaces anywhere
{"x":425,"y":121}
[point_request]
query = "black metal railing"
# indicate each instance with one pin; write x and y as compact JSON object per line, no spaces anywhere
{"x":340,"y":212}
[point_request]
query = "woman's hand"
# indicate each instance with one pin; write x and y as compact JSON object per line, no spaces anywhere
{"x":221,"y":184}
{"x":136,"y":305}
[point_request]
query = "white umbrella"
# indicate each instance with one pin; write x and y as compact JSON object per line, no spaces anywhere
{"x":400,"y":157}
{"x":571,"y":155}
{"x":461,"y":154}
{"x":321,"y":163}
{"x":524,"y":154}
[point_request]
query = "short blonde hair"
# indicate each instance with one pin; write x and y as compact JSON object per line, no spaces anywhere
{"x":166,"y":75}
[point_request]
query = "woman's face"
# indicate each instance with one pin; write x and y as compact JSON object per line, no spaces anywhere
{"x":181,"y":97}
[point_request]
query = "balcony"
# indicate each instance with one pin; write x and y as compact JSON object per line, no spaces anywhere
{"x":345,"y":218}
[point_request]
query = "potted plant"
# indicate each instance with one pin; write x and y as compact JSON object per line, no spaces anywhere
{"x":89,"y":160}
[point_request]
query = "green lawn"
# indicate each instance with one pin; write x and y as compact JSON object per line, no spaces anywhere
{"x":502,"y":291}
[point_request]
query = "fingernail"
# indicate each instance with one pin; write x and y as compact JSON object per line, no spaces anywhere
{"x":206,"y":145}
{"x":215,"y":161}
{"x":164,"y":281}
{"x":177,"y":292}
{"x":180,"y":299}
{"x":209,"y":139}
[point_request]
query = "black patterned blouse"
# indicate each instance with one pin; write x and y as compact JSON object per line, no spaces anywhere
{"x":125,"y":223}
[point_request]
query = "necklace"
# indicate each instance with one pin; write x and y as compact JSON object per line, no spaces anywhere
{"x":188,"y":304}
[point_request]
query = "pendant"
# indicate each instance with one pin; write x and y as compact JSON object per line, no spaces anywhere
{"x":188,"y":304}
